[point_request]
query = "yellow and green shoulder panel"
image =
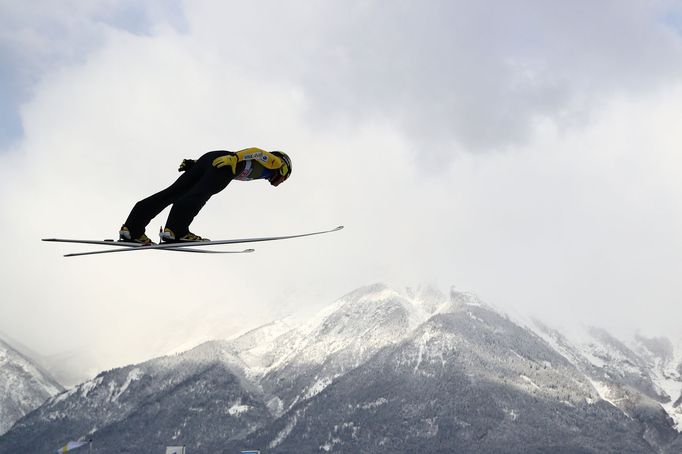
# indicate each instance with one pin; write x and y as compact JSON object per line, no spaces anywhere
{"x":266,"y":158}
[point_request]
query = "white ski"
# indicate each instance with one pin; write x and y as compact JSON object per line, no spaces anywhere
{"x":188,"y":246}
{"x":135,"y":245}
{"x":178,"y":249}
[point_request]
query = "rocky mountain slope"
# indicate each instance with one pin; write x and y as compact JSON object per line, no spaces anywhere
{"x":381,"y":370}
{"x":24,"y":386}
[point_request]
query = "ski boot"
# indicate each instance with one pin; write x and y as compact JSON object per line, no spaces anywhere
{"x":124,"y":235}
{"x":167,"y":236}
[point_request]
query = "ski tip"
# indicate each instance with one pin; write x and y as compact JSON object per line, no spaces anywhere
{"x":249,"y":250}
{"x":339,"y":228}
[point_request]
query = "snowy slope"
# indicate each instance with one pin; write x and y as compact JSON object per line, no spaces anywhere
{"x":23,"y":386}
{"x":465,"y":380}
{"x":302,"y":362}
{"x":176,"y":399}
{"x":382,"y":370}
{"x":664,"y":361}
{"x":635,"y":376}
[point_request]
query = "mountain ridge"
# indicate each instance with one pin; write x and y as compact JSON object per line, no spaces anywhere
{"x":377,"y":368}
{"x":24,"y":385}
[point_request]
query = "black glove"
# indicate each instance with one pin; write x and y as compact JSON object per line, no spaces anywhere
{"x":186,"y":164}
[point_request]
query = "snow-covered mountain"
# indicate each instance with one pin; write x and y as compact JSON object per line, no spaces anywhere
{"x":464,"y":381}
{"x":641,"y":377}
{"x":300,"y":363}
{"x":24,"y":386}
{"x":381,"y":370}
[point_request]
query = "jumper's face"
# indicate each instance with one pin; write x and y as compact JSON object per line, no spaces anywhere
{"x":280,"y":176}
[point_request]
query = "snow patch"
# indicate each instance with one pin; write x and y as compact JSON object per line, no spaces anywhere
{"x":133,"y":375}
{"x":511,"y":413}
{"x":284,"y":433}
{"x":517,"y":355}
{"x":87,"y":387}
{"x":473,"y":317}
{"x":529,"y":381}
{"x":603,"y":390}
{"x":329,"y":445}
{"x":318,"y":387}
{"x":238,"y":409}
{"x":371,"y":405}
{"x":63,"y":396}
{"x":276,"y":406}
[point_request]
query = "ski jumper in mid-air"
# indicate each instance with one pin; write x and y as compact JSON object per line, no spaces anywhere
{"x":201,"y":179}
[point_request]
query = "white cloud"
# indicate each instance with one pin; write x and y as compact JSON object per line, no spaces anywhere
{"x":478,"y":75}
{"x":578,"y":219}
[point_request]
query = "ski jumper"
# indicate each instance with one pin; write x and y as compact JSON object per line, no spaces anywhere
{"x":208,"y":175}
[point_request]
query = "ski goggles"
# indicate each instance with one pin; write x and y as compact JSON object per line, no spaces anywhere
{"x":280,"y":175}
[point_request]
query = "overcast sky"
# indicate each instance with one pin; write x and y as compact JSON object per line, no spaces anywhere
{"x":526,"y":151}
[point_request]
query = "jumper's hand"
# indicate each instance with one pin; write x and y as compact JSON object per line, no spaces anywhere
{"x":186,"y":165}
{"x":227,"y":160}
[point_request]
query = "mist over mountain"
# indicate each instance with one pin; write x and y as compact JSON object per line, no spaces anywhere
{"x":382,"y":370}
{"x":24,"y":385}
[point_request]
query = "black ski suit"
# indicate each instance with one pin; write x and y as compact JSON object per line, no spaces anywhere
{"x":188,"y":194}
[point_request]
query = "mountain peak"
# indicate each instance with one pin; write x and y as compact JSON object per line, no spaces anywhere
{"x":28,"y":384}
{"x":382,"y":370}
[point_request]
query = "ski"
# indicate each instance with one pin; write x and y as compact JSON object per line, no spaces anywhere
{"x":188,"y":246}
{"x":101,"y":242}
{"x":134,"y":245}
{"x":179,"y":249}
